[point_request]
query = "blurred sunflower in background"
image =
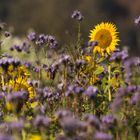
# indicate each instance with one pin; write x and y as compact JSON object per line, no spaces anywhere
{"x":106,"y":36}
{"x":20,"y":81}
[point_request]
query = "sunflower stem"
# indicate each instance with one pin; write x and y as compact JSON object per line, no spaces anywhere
{"x":109,"y":78}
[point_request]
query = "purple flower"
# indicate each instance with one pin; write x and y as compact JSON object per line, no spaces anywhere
{"x":137,"y":21}
{"x":5,"y":137}
{"x":137,"y":61}
{"x":119,"y":55}
{"x":34,"y":83}
{"x":135,"y":99}
{"x":14,"y":96}
{"x":52,"y":43}
{"x":2,"y":95}
{"x":36,"y":69}
{"x":78,"y":89}
{"x":60,"y":114}
{"x":53,"y":68}
{"x":47,"y":93}
{"x":131,"y":88}
{"x":103,"y":136}
{"x":77,"y":15}
{"x":43,"y":37}
{"x":92,"y":120}
{"x":41,"y":40}
{"x":91,"y":91}
{"x":60,"y":137}
{"x":93,"y":43}
{"x":122,"y":91}
{"x":70,"y":125}
{"x":1,"y":114}
{"x":80,"y":63}
{"x":49,"y":54}
{"x":25,"y":47}
{"x":41,"y":109}
{"x":41,"y":120}
{"x":115,"y":105}
{"x":44,"y":66}
{"x":109,"y":120}
{"x":70,"y":90}
{"x":65,"y":59}
{"x":17,"y":48}
{"x":18,"y":125}
{"x":32,"y":36}
{"x":5,"y":61}
{"x":28,"y":64}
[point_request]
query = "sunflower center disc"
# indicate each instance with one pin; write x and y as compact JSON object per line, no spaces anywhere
{"x":103,"y":37}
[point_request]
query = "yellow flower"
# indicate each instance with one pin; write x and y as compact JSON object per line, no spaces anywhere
{"x":21,"y":83}
{"x":22,"y":71}
{"x":35,"y":137}
{"x":1,"y":70}
{"x":107,"y":37}
{"x":9,"y":106}
{"x":10,"y":69}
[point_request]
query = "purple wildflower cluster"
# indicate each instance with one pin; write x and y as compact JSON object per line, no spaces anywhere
{"x":6,"y":61}
{"x":25,"y":47}
{"x":42,"y":39}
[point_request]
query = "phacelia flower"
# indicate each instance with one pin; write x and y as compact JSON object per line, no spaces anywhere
{"x":77,"y":15}
{"x":103,"y":136}
{"x":32,"y":36}
{"x":91,"y":91}
{"x":92,"y":120}
{"x":41,"y":120}
{"x":109,"y":120}
{"x":137,"y":21}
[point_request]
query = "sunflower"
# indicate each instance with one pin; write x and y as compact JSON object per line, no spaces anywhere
{"x":21,"y":83}
{"x":106,"y":36}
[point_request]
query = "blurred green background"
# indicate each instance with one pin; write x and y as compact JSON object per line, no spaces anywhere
{"x":54,"y":17}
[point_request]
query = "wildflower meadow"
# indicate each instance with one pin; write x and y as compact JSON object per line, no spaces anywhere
{"x":84,"y":90}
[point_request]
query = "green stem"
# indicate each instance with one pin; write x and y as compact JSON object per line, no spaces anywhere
{"x":0,"y":46}
{"x":79,"y":37}
{"x":23,"y":133}
{"x":37,"y":55}
{"x":65,"y":85}
{"x":109,"y":78}
{"x":2,"y":81}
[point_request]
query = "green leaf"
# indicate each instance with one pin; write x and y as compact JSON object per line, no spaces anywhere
{"x":101,"y":59}
{"x":99,"y":70}
{"x":117,"y":71}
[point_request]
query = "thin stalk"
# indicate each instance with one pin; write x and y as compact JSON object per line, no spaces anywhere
{"x":109,"y":78}
{"x":79,"y":37}
{"x":2,"y":81}
{"x":65,"y":85}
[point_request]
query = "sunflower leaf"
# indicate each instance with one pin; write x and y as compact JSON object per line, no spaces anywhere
{"x":99,"y":70}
